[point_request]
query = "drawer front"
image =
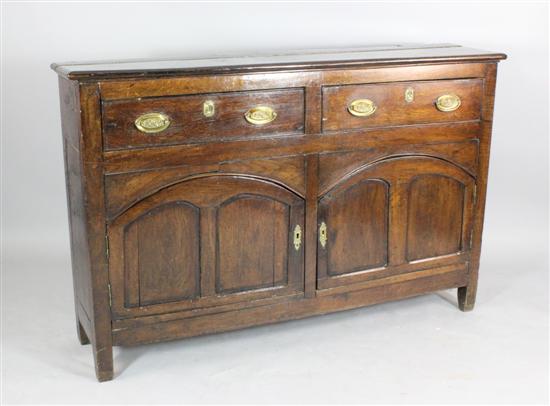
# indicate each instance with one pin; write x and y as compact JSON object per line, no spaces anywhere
{"x":206,"y":117}
{"x":403,"y":103}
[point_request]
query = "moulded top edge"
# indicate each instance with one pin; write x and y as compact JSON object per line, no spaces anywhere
{"x":297,"y":60}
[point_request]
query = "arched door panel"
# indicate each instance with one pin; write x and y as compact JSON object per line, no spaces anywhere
{"x":161,"y":256}
{"x":208,"y":241}
{"x":356,"y":220}
{"x":387,"y":217}
{"x":435,"y":217}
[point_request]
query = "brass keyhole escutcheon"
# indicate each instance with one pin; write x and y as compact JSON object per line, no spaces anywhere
{"x":297,"y":237}
{"x":409,"y":95}
{"x":323,"y":234}
{"x":208,"y":108}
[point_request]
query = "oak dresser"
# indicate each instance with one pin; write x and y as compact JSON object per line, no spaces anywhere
{"x":215,"y":194}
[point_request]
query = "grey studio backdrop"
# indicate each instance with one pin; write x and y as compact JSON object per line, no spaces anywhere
{"x":421,"y":350}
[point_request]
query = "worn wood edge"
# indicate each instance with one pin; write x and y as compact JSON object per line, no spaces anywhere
{"x":310,"y":271}
{"x":129,"y":161}
{"x":112,"y":216}
{"x":364,"y":167}
{"x":152,"y":73}
{"x":458,"y":262}
{"x":91,"y":147}
{"x":405,"y":270}
{"x":122,"y":321}
{"x":402,"y":286}
{"x":285,"y":137}
{"x":131,"y":88}
{"x":467,"y":293}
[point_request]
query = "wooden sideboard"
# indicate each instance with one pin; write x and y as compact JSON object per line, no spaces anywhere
{"x":216,"y":194}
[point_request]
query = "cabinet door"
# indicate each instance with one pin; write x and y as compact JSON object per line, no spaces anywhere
{"x":394,"y":216}
{"x":205,"y":242}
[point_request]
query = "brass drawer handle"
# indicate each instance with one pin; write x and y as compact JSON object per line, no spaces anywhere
{"x":260,"y":115}
{"x":362,"y":107}
{"x":151,"y":123}
{"x":297,"y":237}
{"x":448,"y":102}
{"x":323,"y":234}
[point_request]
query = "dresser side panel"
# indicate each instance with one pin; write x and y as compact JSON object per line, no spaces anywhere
{"x":81,"y":118}
{"x":69,"y":95}
{"x":467,"y":294}
{"x":94,"y":201}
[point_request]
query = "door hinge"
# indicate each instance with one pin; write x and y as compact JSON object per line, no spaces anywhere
{"x":110,"y":295}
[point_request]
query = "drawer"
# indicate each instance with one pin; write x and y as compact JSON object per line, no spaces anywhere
{"x":403,"y":103}
{"x":205,"y":117}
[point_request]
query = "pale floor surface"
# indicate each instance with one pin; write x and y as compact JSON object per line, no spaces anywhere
{"x":421,"y":350}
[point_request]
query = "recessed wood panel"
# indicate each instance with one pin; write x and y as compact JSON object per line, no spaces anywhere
{"x":435,"y":216}
{"x":162,"y":255}
{"x":252,"y":244}
{"x":428,"y":211}
{"x":357,"y":227}
{"x":206,"y":242}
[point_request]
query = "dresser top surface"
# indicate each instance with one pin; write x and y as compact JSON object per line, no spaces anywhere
{"x":293,"y":60}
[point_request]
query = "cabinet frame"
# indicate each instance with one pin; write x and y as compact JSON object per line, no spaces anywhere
{"x":87,"y":166}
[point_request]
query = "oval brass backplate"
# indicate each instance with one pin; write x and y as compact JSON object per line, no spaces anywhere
{"x":448,"y":102}
{"x":152,"y":122}
{"x":260,"y":115}
{"x":362,"y":107}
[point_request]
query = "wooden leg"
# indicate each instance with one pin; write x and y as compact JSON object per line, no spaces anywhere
{"x":103,"y":357}
{"x":82,"y":336}
{"x":467,"y":297}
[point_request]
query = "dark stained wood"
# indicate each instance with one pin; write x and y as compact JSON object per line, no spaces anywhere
{"x":124,"y":189}
{"x":252,"y":244}
{"x":166,"y":253}
{"x":420,"y":273}
{"x":334,"y":166}
{"x":70,"y":127}
{"x":402,"y":136}
{"x":391,"y":289}
{"x":246,"y":227}
{"x":188,"y":123}
{"x":197,"y":84}
{"x":357,"y":226}
{"x":435,"y":217}
{"x":193,"y":231}
{"x":312,"y":177}
{"x":393,"y":109}
{"x":393,"y":212}
{"x":80,"y":108}
{"x":319,"y":59}
{"x":467,"y":293}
